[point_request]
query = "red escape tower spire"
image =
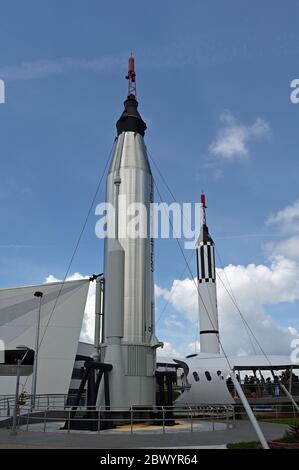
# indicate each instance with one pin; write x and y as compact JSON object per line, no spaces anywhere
{"x":130,"y":120}
{"x":203,"y":206}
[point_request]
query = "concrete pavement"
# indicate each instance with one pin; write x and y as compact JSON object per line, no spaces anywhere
{"x":55,"y":440}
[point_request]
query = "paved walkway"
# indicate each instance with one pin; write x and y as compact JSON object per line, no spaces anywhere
{"x":34,"y":440}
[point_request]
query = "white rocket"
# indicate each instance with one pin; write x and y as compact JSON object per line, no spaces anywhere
{"x":207,"y":297}
{"x":128,"y":340}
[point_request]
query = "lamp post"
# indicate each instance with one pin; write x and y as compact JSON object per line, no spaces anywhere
{"x":14,"y":422}
{"x":39,"y":295}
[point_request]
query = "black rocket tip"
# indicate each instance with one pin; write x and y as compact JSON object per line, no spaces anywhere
{"x":130,"y":120}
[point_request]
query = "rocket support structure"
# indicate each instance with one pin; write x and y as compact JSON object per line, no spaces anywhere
{"x":127,"y":338}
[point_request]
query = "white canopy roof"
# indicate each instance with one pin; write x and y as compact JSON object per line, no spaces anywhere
{"x":62,"y":310}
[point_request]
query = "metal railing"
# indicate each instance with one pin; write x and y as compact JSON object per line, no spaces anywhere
{"x":264,"y":390}
{"x":187,"y":418}
{"x":282,"y":412}
{"x":42,"y":402}
{"x":57,"y":408}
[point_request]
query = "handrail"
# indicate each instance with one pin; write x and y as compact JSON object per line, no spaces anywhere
{"x":188,"y":414}
{"x":192,"y":414}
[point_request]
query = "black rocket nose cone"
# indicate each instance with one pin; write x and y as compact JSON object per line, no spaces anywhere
{"x":130,"y":120}
{"x":205,"y":235}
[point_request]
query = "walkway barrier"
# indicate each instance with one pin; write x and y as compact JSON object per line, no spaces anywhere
{"x":42,"y":402}
{"x":56,"y":408}
{"x":131,"y":419}
{"x":274,"y":412}
{"x":264,"y":390}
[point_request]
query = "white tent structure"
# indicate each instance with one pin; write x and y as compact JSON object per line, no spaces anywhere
{"x":61,"y":316}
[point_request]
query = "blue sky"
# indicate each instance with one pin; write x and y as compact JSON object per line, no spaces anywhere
{"x":204,"y":70}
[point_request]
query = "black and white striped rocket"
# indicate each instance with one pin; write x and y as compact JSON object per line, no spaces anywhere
{"x":207,"y":297}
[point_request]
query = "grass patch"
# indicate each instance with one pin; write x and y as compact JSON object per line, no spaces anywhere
{"x":288,"y":421}
{"x":288,"y":438}
{"x":244,"y":445}
{"x":291,"y":435}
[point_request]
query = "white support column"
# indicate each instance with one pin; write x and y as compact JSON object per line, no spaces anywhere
{"x":289,"y":396}
{"x":291,"y":379}
{"x":39,"y":295}
{"x":98,"y":317}
{"x":249,"y":412}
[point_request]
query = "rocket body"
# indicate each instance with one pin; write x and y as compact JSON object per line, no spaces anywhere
{"x":207,"y":296}
{"x":131,"y":166}
{"x":128,"y":329}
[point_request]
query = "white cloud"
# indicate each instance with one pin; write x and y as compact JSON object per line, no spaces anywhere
{"x":183,"y":296}
{"x":159,"y":292}
{"x":168,"y":352}
{"x":172,"y":322}
{"x":44,"y":68}
{"x":73,"y":277}
{"x":288,"y":247}
{"x":286,"y":219}
{"x":254,"y":287}
{"x":287,"y":223}
{"x":233,"y":139}
{"x":192,"y":348}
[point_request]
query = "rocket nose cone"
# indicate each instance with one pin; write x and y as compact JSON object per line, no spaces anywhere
{"x":130,"y":120}
{"x":204,"y":235}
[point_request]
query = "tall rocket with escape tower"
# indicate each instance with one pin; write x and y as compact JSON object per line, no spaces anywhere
{"x":206,"y":283}
{"x":125,"y":310}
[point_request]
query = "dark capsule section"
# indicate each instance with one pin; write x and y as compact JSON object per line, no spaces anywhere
{"x":130,"y":120}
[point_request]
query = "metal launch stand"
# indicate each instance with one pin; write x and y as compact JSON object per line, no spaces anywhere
{"x":94,"y":373}
{"x":90,"y":418}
